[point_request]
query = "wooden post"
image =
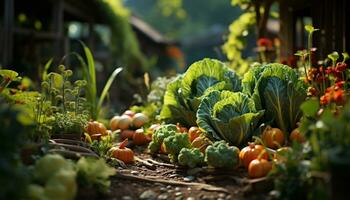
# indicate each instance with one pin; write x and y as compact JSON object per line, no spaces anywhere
{"x":7,"y":44}
{"x":286,"y":30}
{"x":91,"y":37}
{"x":58,"y":17}
{"x":346,"y":36}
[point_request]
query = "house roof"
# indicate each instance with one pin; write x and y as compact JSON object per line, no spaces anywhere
{"x":141,"y":26}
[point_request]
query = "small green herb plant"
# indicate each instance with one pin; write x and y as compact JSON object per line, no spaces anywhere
{"x":61,"y":108}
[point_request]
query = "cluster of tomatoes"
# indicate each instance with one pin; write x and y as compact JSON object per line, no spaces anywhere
{"x":256,"y":158}
{"x":130,"y":125}
{"x":127,"y":126}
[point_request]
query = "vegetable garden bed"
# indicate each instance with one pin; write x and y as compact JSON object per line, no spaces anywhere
{"x":273,"y":133}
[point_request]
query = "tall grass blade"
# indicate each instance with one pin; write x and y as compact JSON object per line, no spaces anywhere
{"x":46,"y":69}
{"x":91,"y":81}
{"x":106,"y":88}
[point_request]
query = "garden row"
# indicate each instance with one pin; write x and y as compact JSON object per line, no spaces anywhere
{"x":287,"y":124}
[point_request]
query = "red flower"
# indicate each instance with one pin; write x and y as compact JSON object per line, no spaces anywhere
{"x":329,"y":89}
{"x":329,"y":70}
{"x":340,"y":67}
{"x":264,"y":42}
{"x":312,"y":91}
{"x":340,"y":84}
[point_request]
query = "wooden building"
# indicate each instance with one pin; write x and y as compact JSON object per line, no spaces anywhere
{"x":33,"y":31}
{"x":330,"y":16}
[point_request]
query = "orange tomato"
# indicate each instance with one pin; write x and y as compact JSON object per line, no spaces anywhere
{"x":181,"y":129}
{"x":127,"y":134}
{"x":140,"y":138}
{"x":259,"y":168}
{"x":113,"y":123}
{"x":295,"y":135}
{"x":193,"y":133}
{"x":251,"y":152}
{"x":201,"y":143}
{"x":273,"y":137}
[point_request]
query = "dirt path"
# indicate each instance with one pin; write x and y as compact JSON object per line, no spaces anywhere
{"x":167,"y":181}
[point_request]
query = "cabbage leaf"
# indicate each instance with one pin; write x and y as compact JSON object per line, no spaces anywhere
{"x":185,"y":93}
{"x":230,"y":116}
{"x":277,"y":89}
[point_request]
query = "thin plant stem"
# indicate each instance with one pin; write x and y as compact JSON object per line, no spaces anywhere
{"x":309,"y":48}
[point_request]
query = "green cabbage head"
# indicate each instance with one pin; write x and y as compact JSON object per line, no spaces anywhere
{"x":185,"y":93}
{"x":229,"y":116}
{"x":277,"y":89}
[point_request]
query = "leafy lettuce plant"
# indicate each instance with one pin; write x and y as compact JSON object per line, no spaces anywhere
{"x":277,"y":89}
{"x":229,"y":116}
{"x":185,"y":93}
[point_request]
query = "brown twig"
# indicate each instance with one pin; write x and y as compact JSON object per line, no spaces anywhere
{"x":199,"y":186}
{"x":73,"y":148}
{"x":160,"y":164}
{"x":68,"y":141}
{"x":146,"y":163}
{"x":71,"y":154}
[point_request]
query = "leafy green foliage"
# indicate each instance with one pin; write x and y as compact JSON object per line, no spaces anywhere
{"x":90,"y":76}
{"x":125,"y":44}
{"x":151,"y":106}
{"x":310,"y":29}
{"x":159,"y":135}
{"x":53,"y":178}
{"x":174,"y":143}
{"x":104,"y":145}
{"x":13,"y":134}
{"x":290,"y":177}
{"x":50,"y":164}
{"x":236,"y":42}
{"x":220,"y":155}
{"x":174,"y":108}
{"x":276,"y":88}
{"x":6,"y":77}
{"x":68,"y":123}
{"x":91,"y":87}
{"x":94,"y":173}
{"x":184,"y":94}
{"x":60,"y":108}
{"x":106,"y":88}
{"x":157,"y":90}
{"x":190,"y":157}
{"x":228,"y":116}
{"x":331,"y":131}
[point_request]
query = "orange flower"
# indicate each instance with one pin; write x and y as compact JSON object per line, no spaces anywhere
{"x":325,"y":99}
{"x":338,"y":96}
{"x":174,"y":52}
